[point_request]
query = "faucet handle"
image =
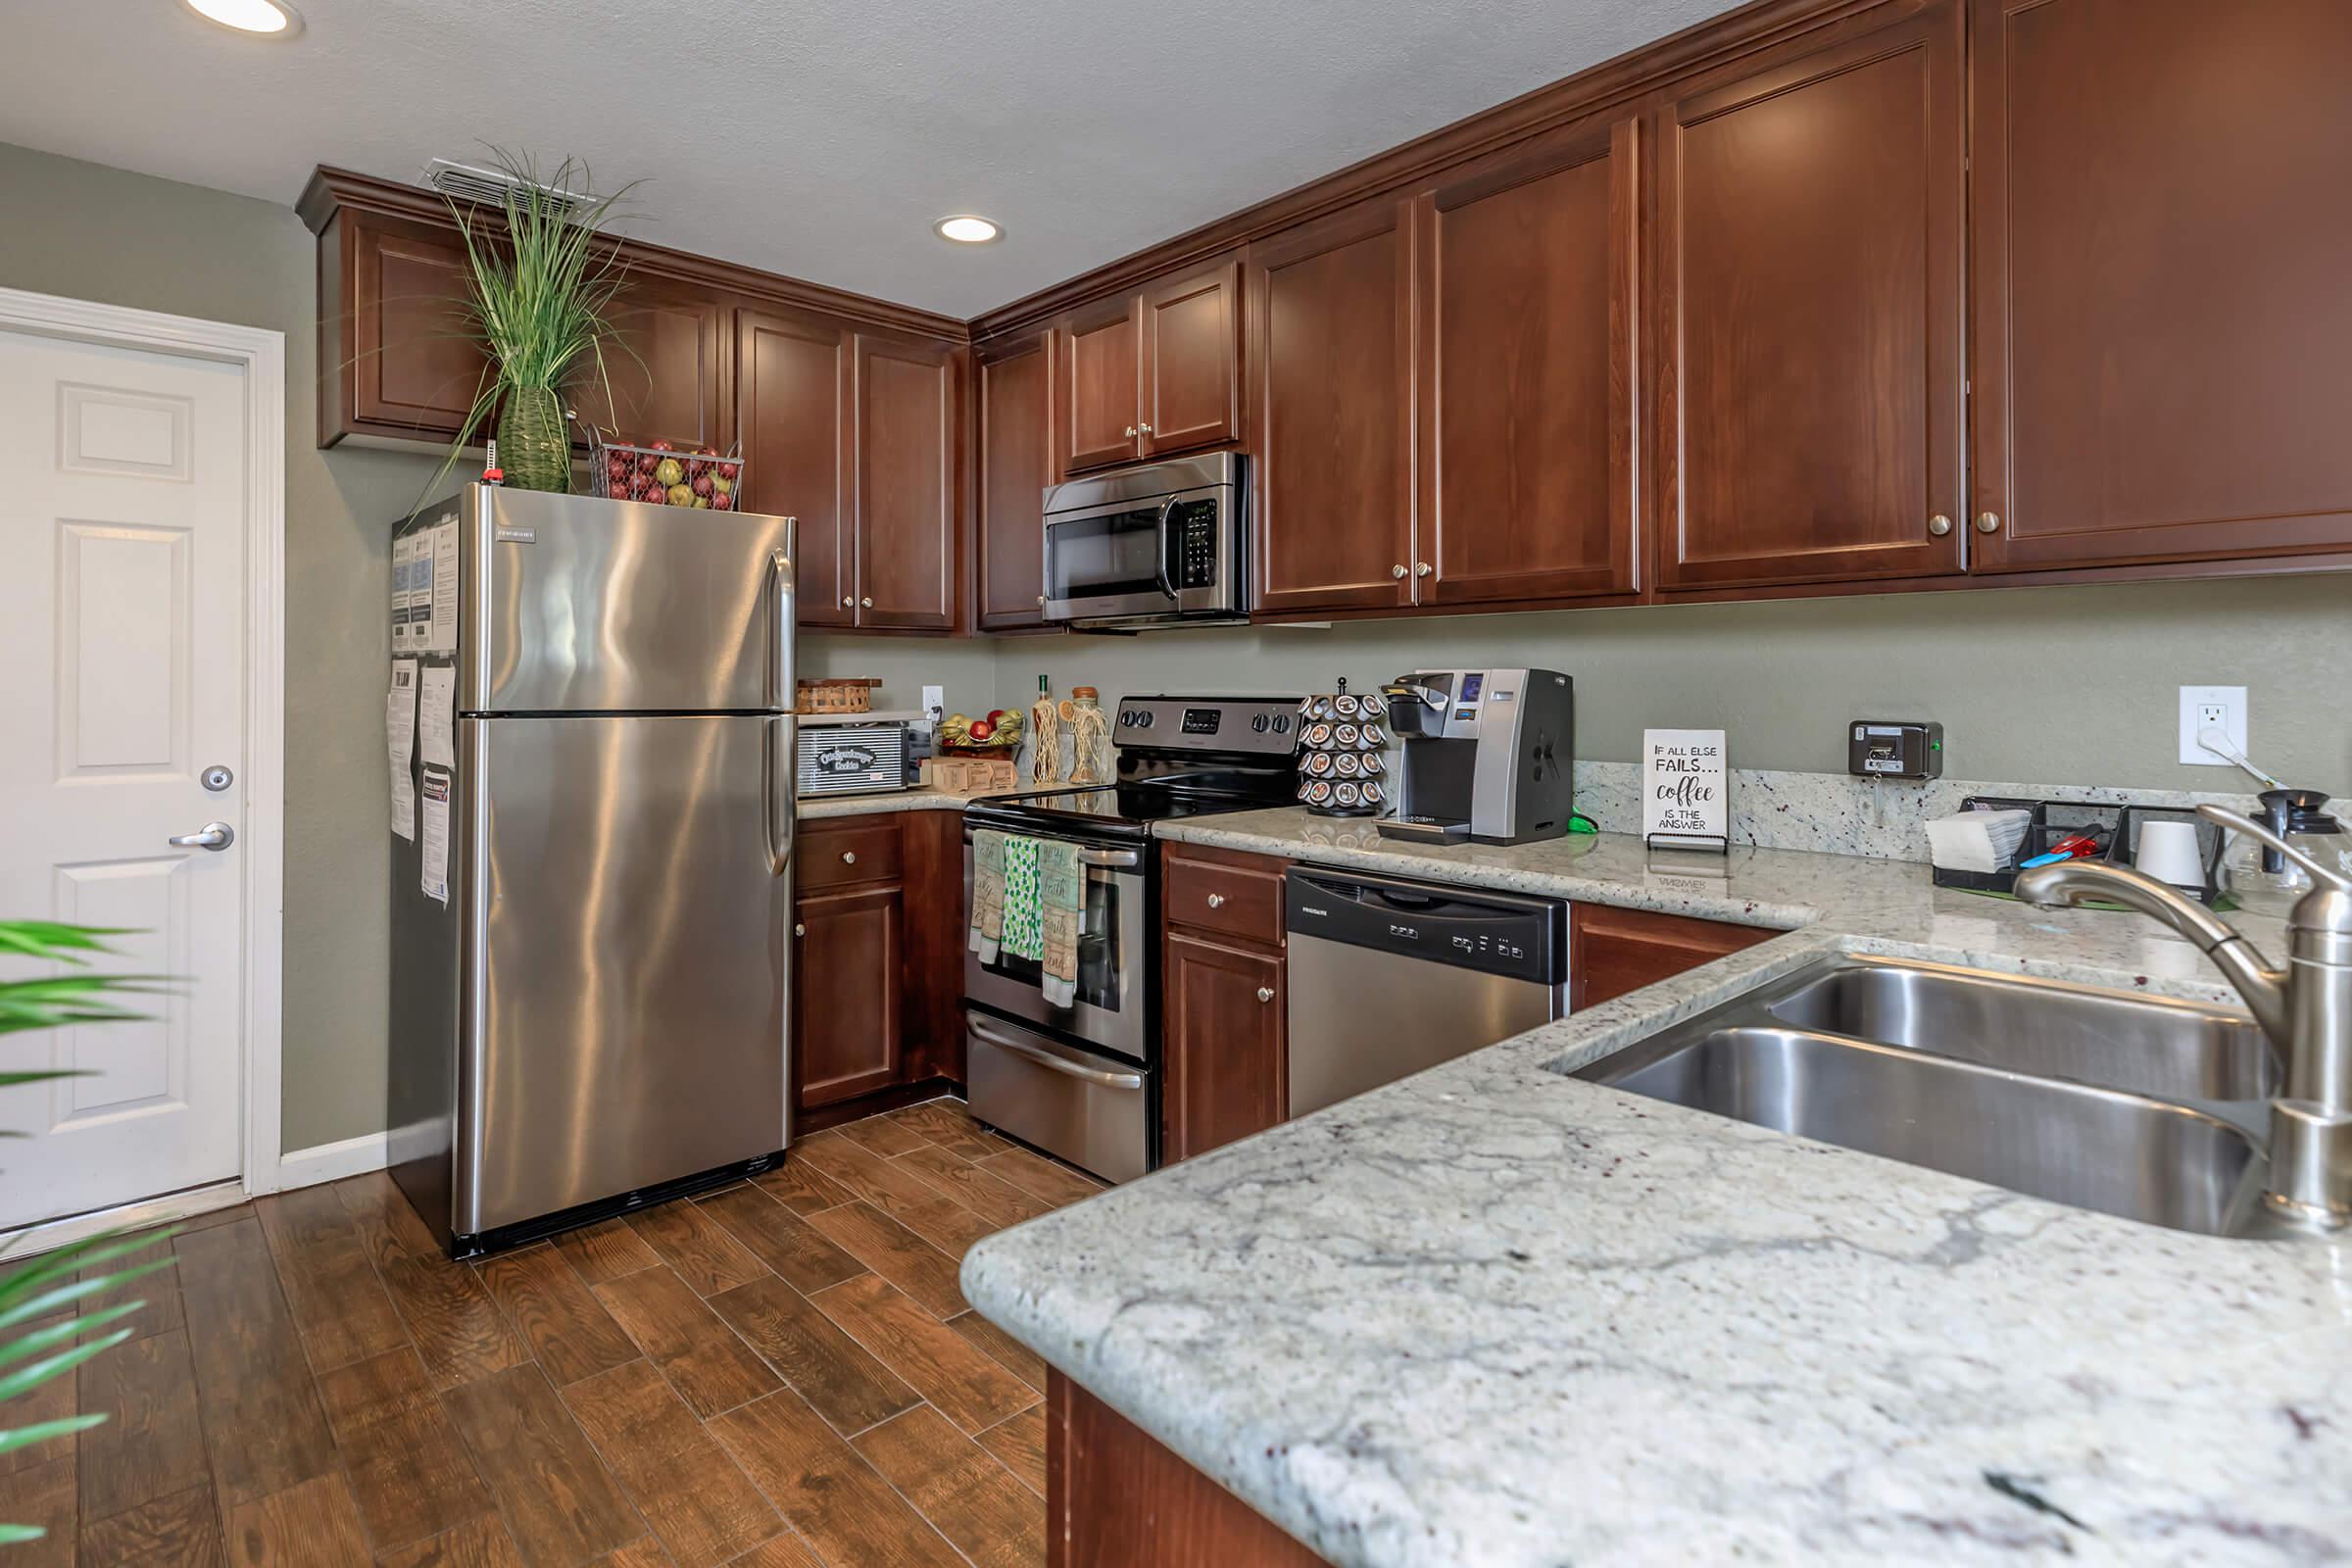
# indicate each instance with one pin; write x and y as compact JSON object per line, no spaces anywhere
{"x":2326,"y":876}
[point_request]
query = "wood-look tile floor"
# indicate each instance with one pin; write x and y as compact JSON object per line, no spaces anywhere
{"x":779,"y":1374}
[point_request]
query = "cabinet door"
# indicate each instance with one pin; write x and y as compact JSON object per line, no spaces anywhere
{"x":2161,"y":246}
{"x":1100,"y":358}
{"x":1016,"y":464}
{"x":1612,"y":951}
{"x":1192,"y":354}
{"x":1529,"y":376}
{"x":1224,"y":1058}
{"x":792,"y":397}
{"x":1808,"y":403}
{"x":847,"y":968}
{"x":905,"y":484}
{"x":663,"y":371}
{"x":1330,"y":395}
{"x":415,"y":363}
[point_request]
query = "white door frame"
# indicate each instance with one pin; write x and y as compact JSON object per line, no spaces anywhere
{"x":261,"y":837}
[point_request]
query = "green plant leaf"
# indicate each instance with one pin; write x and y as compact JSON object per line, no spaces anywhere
{"x":17,"y":1535}
{"x":64,"y":1333}
{"x":42,"y":1432}
{"x":25,"y":1377}
{"x":54,"y":939}
{"x":49,"y":1301}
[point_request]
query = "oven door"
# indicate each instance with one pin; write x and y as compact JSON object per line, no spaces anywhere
{"x":1114,"y":1004}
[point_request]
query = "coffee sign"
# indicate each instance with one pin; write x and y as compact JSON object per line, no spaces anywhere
{"x":1685,"y":789}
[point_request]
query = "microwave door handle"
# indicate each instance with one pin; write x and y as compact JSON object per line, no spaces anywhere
{"x":1162,"y":578}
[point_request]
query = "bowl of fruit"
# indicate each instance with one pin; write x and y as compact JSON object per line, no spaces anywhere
{"x":999,"y":734}
{"x":664,"y":473}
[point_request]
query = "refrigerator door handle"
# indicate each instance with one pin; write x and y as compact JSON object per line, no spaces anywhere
{"x":780,"y":595}
{"x":775,"y":757}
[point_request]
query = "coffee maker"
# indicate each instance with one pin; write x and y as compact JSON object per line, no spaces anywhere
{"x":1487,"y":754}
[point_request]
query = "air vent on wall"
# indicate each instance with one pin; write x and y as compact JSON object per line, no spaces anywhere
{"x":463,"y":182}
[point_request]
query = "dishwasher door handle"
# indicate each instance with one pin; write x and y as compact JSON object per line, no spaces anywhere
{"x":1052,"y":1062}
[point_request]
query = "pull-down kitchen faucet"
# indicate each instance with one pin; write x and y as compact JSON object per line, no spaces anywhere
{"x":2305,"y":1008}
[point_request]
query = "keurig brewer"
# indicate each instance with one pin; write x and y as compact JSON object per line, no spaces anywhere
{"x":1487,"y":754}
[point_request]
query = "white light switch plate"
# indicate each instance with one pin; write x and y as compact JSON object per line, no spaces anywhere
{"x":2196,"y":712}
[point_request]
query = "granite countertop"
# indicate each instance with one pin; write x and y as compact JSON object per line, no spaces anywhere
{"x":914,"y":799}
{"x":1495,"y":1316}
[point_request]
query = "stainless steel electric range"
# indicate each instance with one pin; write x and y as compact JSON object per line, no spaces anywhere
{"x":1082,"y":1081}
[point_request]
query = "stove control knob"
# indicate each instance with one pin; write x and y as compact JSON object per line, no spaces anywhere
{"x":1142,"y":718}
{"x":1282,"y":723}
{"x":1259,"y":723}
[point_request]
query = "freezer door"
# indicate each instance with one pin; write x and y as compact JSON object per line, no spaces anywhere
{"x":628,"y":911}
{"x":576,"y":604}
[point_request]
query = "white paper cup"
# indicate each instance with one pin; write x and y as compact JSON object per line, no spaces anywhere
{"x":2168,"y":852}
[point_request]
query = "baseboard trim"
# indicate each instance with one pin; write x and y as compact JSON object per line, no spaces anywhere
{"x":332,"y":1162}
{"x":145,"y":1214}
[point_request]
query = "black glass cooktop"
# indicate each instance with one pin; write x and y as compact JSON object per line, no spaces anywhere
{"x":1127,"y":810}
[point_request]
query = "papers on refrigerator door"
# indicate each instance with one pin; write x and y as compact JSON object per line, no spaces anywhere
{"x":437,"y":719}
{"x":400,"y":745}
{"x":432,"y":847}
{"x":441,"y":626}
{"x":404,"y":595}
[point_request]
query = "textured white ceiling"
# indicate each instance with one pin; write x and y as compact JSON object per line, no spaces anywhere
{"x":812,"y":137}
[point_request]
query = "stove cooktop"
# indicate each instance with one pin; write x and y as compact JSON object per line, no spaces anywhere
{"x":1205,"y":756}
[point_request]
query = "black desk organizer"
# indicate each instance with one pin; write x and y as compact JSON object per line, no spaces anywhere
{"x":2053,"y":820}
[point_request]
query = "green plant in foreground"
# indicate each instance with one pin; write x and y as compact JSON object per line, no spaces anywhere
{"x":55,"y":1282}
{"x":539,"y":295}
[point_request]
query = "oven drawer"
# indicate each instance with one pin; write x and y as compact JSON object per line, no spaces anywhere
{"x":1093,"y":1111}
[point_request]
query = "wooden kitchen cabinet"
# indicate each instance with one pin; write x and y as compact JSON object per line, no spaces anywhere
{"x":1015,"y":445}
{"x":1528,"y":374}
{"x":2161,"y":241}
{"x":1223,"y":999}
{"x":791,"y":400}
{"x":1329,"y":320}
{"x":1118,"y":1498}
{"x":1155,"y":373}
{"x":1612,"y":951}
{"x":905,"y":482}
{"x":667,"y":371}
{"x":1807,"y":424}
{"x":847,"y":965}
{"x":397,"y":357}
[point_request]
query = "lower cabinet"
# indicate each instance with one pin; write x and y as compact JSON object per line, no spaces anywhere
{"x":1223,"y":996}
{"x":1117,"y":1497}
{"x":1611,"y":952}
{"x":876,"y":966}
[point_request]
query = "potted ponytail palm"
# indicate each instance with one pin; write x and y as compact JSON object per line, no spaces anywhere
{"x":539,"y":297}
{"x":53,"y":1290}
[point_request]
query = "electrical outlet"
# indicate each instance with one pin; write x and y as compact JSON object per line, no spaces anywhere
{"x":2203,"y":708}
{"x":935,"y":701}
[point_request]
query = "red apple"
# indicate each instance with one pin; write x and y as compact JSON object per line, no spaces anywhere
{"x":722,"y":503}
{"x":647,"y":462}
{"x":728,"y":471}
{"x":706,"y":452}
{"x":651,"y":489}
{"x":981,"y":729}
{"x":663,"y":446}
{"x":702,"y":484}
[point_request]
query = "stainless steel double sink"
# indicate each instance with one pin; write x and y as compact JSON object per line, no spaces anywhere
{"x":2130,"y":1104}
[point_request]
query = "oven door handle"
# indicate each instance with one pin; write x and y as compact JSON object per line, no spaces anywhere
{"x":1101,"y":859}
{"x":1052,"y":1062}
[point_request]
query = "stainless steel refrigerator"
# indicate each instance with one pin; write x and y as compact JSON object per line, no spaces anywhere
{"x":591,"y":901}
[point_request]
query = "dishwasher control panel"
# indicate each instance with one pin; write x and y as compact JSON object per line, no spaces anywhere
{"x":1524,"y":939}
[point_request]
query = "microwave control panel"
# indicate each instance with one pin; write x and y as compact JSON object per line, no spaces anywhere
{"x":1195,"y":528}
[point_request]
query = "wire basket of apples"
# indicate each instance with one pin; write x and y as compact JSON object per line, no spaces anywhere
{"x":664,"y":473}
{"x":999,"y":734}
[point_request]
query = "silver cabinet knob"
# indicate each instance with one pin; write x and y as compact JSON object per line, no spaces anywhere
{"x":1939,"y":525}
{"x":1216,"y":900}
{"x":1421,"y":569}
{"x":865,"y":603}
{"x":1040,"y":600}
{"x":846,"y":602}
{"x":1265,"y":993}
{"x":1130,"y":431}
{"x":212,"y":836}
{"x":799,"y":930}
{"x":849,"y":857}
{"x":1147,"y":430}
{"x":1397,"y":572}
{"x":1988,"y":523}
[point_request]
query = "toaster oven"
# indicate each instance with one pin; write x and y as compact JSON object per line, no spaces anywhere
{"x":856,"y":754}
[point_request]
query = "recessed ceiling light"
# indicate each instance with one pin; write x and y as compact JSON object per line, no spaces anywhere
{"x":965,"y":229}
{"x":263,"y":19}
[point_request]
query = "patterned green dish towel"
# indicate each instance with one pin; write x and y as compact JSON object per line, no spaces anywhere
{"x":1024,"y":902}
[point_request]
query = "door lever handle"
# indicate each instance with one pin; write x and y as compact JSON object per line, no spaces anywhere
{"x":214,"y":836}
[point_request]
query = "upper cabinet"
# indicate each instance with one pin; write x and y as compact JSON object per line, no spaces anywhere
{"x":1330,"y":395}
{"x":792,"y":402}
{"x":907,"y":477}
{"x":2160,"y":242}
{"x":1528,"y":373}
{"x":1155,"y":373}
{"x":1016,"y":449}
{"x":666,"y":373}
{"x":396,"y":355}
{"x":1807,"y":411}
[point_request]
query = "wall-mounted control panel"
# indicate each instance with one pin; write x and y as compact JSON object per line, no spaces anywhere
{"x":1894,"y":747}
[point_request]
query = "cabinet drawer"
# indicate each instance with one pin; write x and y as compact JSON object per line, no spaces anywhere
{"x":845,"y":855}
{"x":1617,"y":951}
{"x":1228,"y":895}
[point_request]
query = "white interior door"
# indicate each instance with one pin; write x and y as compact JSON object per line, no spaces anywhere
{"x":122,"y":632}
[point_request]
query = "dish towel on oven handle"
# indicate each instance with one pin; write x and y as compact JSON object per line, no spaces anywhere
{"x":1061,"y":900}
{"x":988,"y":894}
{"x":1025,"y":934}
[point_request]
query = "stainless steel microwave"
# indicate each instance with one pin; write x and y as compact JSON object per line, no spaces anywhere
{"x":1161,"y":545}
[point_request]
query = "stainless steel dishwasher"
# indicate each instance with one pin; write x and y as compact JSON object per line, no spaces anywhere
{"x":1389,"y":977}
